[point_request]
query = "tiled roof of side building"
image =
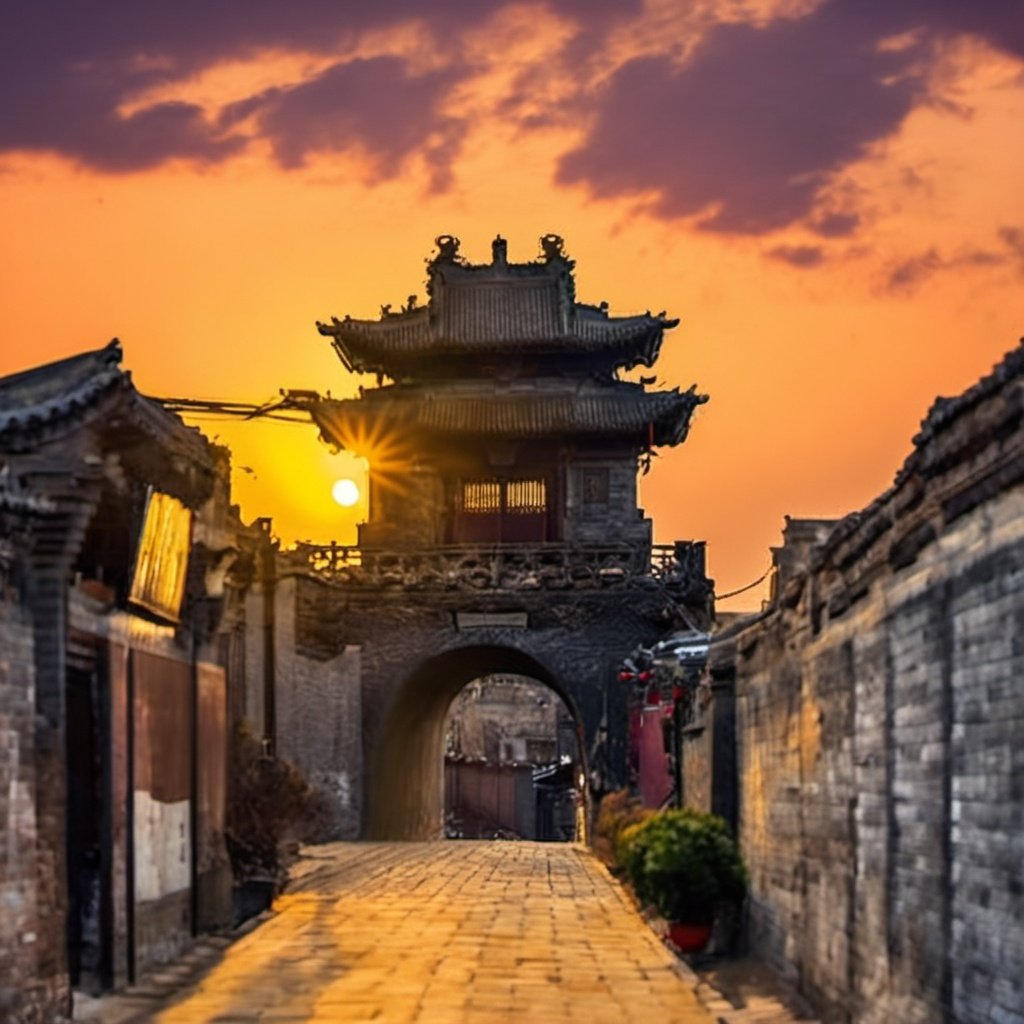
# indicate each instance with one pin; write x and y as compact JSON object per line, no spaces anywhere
{"x":58,"y":390}
{"x":45,"y":403}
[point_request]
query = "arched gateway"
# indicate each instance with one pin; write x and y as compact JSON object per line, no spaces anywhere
{"x":504,"y":534}
{"x":405,"y":781}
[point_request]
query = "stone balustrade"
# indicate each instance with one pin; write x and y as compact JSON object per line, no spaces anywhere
{"x":550,"y":566}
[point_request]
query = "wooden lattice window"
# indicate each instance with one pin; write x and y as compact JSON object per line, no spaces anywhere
{"x":515,"y":497}
{"x":161,"y":563}
{"x":525,"y":497}
{"x":501,"y":511}
{"x":481,"y":497}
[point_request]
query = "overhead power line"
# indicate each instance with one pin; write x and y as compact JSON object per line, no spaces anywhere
{"x":291,"y":407}
{"x":749,"y":586}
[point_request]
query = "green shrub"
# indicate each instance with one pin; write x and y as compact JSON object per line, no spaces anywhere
{"x":617,"y":811}
{"x":685,"y":864}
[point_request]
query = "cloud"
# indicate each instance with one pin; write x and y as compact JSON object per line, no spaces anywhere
{"x":67,"y":69}
{"x":803,"y":256}
{"x":1013,"y":239}
{"x":836,"y":225}
{"x":374,"y":104}
{"x":745,"y":133}
{"x":908,"y":274}
{"x":996,"y":22}
{"x":747,"y":130}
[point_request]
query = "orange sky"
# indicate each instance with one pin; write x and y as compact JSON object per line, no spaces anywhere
{"x":821,"y":349}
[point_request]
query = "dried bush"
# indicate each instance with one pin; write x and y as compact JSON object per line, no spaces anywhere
{"x":617,"y":811}
{"x":269,"y":803}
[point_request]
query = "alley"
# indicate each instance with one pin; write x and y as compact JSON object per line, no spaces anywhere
{"x":445,"y":932}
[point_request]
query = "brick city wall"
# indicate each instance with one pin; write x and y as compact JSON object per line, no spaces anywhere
{"x":879,"y":716}
{"x":319,"y":716}
{"x":415,"y":657}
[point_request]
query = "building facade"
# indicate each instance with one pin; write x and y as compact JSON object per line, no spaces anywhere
{"x":117,"y":541}
{"x":504,"y":534}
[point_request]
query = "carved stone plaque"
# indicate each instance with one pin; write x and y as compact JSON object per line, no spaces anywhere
{"x":595,"y":486}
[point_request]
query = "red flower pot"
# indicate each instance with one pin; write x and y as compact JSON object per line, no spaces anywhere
{"x":689,"y":938}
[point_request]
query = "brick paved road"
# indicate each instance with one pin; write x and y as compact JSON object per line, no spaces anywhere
{"x":449,"y":933}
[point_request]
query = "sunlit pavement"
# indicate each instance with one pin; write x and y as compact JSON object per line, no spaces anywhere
{"x":446,"y":932}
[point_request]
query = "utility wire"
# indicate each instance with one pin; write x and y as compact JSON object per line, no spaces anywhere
{"x":287,"y":409}
{"x":749,"y":586}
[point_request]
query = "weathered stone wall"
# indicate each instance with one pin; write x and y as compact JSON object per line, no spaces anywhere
{"x":162,"y":800}
{"x":706,"y":746}
{"x":319,"y":716}
{"x":250,"y":685}
{"x":26,"y":993}
{"x":213,"y":878}
{"x":880,"y":718}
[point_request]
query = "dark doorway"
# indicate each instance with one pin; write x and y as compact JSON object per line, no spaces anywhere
{"x":90,"y":962}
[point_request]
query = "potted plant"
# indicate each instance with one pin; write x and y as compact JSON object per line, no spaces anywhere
{"x":686,"y":864}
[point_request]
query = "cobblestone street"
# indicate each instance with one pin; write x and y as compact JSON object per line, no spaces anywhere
{"x":445,"y":932}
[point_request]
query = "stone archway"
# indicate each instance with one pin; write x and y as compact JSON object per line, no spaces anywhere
{"x":406,"y":798}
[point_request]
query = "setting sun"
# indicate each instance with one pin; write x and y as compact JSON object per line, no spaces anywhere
{"x":345,"y":492}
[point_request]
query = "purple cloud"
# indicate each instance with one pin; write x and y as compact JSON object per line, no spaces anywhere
{"x":997,"y":22}
{"x":68,"y":66}
{"x":836,"y":225}
{"x":66,"y":69}
{"x":750,"y":127}
{"x":908,"y":274}
{"x":1013,"y":238}
{"x":745,"y":133}
{"x":803,"y":256}
{"x":376,"y":104}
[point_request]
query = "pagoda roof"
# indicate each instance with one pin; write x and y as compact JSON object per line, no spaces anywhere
{"x":496,"y":309}
{"x":548,"y":408}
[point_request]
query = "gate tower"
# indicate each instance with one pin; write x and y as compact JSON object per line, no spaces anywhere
{"x":504,"y":533}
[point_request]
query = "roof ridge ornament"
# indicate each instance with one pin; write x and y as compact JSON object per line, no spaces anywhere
{"x":553,"y":248}
{"x":112,"y":352}
{"x":447,"y":249}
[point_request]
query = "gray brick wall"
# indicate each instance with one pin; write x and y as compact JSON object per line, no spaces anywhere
{"x":319,"y":716}
{"x":880,"y":714}
{"x":19,"y":931}
{"x":617,"y":520}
